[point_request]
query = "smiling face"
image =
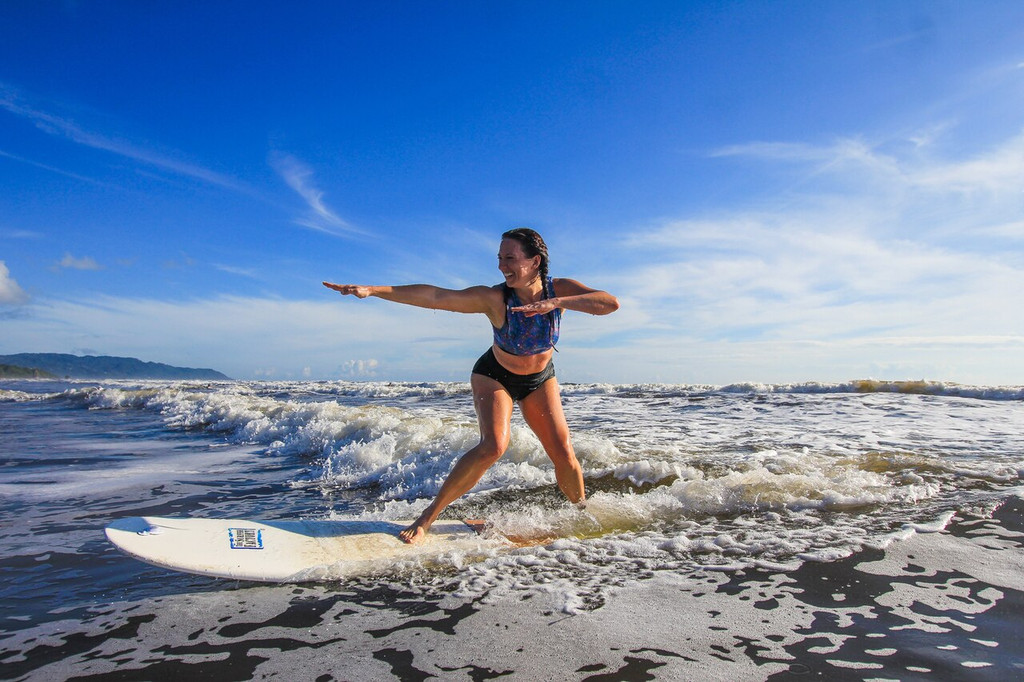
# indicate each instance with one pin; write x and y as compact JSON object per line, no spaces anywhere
{"x":519,"y":271}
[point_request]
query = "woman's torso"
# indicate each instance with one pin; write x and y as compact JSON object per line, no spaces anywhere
{"x":519,"y":364}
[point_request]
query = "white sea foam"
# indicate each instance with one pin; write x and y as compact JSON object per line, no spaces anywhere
{"x":153,"y":466}
{"x":935,"y":526}
{"x":15,"y":396}
{"x":721,"y":476}
{"x":922,"y":387}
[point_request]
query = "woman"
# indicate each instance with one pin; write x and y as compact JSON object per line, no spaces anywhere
{"x":525,"y":312}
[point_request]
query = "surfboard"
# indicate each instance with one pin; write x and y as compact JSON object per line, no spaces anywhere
{"x":287,"y":551}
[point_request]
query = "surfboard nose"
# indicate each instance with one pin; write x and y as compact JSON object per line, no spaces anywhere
{"x":134,"y":525}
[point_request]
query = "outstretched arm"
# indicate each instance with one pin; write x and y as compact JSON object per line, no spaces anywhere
{"x":571,"y":295}
{"x":471,"y":300}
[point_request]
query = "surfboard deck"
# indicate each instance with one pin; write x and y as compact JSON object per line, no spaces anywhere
{"x":285,"y":551}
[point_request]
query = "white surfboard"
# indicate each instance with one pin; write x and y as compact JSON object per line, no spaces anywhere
{"x":286,"y":551}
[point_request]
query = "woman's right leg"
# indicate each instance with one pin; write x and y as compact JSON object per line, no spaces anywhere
{"x":494,"y":414}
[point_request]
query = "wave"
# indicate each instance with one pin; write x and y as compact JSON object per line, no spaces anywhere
{"x":397,"y":390}
{"x":918,"y":387}
{"x":382,"y":438}
{"x":737,"y":479}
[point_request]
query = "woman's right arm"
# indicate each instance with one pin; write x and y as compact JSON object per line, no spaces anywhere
{"x":479,"y":299}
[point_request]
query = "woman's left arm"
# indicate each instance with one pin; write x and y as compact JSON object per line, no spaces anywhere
{"x":571,"y":295}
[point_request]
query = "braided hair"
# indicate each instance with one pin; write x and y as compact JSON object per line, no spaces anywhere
{"x":533,"y":245}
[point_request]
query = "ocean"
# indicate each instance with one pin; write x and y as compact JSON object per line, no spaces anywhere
{"x":864,"y":530}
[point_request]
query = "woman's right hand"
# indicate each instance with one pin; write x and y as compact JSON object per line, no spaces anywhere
{"x":356,"y":290}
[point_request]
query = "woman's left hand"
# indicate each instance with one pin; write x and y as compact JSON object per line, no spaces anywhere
{"x":541,"y":307}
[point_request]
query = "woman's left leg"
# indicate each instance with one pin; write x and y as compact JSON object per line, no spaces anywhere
{"x":494,"y":415}
{"x":543,"y":412}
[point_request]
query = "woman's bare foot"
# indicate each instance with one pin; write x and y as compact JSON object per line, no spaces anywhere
{"x":413,"y":534}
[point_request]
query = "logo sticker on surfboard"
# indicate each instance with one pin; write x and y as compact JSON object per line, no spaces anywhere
{"x":246,"y":538}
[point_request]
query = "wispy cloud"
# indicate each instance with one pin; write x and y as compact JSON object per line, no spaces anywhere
{"x":84,"y":263}
{"x":293,"y":334}
{"x":10,"y":292}
{"x":16,"y":103}
{"x":319,"y":216}
{"x":235,"y":270}
{"x":999,"y":168}
{"x":20,"y":234}
{"x":67,"y":174}
{"x":873,"y":253}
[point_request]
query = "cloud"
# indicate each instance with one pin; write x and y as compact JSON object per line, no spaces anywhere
{"x":65,"y":173}
{"x":996,"y":170}
{"x":319,"y":217}
{"x":702,"y":340}
{"x":251,"y":336}
{"x":235,"y":270}
{"x":184,"y":261}
{"x":10,"y":292}
{"x":84,"y":263}
{"x":20,"y":234}
{"x":873,"y":253}
{"x":358,"y":369}
{"x":13,"y":101}
{"x":1013,"y":230}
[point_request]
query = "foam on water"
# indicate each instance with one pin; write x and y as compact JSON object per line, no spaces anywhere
{"x":152,"y":466}
{"x":922,"y":387}
{"x":677,"y":476}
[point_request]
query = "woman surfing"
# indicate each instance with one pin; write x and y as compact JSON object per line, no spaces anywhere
{"x":525,"y":313}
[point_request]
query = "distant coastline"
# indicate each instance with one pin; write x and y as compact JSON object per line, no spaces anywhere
{"x":62,"y":365}
{"x":16,"y":372}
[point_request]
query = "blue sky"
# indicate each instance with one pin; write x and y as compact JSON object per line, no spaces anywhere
{"x":776,"y":191}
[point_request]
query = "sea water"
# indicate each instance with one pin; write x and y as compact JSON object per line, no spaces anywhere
{"x":679,"y":479}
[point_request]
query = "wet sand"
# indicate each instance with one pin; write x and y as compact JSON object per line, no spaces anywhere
{"x":938,"y":606}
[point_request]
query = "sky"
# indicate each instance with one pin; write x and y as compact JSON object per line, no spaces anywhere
{"x":806,"y":191}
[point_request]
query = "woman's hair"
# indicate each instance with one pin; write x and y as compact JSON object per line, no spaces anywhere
{"x":533,"y":245}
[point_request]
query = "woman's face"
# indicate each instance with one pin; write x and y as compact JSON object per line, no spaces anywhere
{"x":515,"y":266}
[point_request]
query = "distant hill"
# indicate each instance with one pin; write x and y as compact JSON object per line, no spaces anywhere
{"x":15,"y":372}
{"x":105,"y":367}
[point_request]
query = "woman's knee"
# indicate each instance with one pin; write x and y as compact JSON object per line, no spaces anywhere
{"x":569,"y":463}
{"x":490,"y":450}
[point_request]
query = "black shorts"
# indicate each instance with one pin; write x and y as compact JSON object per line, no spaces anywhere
{"x":518,"y":385}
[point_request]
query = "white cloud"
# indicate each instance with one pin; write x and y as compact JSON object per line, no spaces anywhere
{"x":235,"y":270}
{"x":359,"y":369}
{"x":787,"y":280}
{"x":21,"y":234}
{"x":998,"y":171}
{"x":10,"y":292}
{"x":265,"y":337}
{"x":1011,"y":230}
{"x":899,"y":165}
{"x":84,"y":263}
{"x":319,"y":217}
{"x":647,"y":340}
{"x":887,"y":260}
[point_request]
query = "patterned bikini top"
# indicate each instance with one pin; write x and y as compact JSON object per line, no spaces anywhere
{"x":522,"y":335}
